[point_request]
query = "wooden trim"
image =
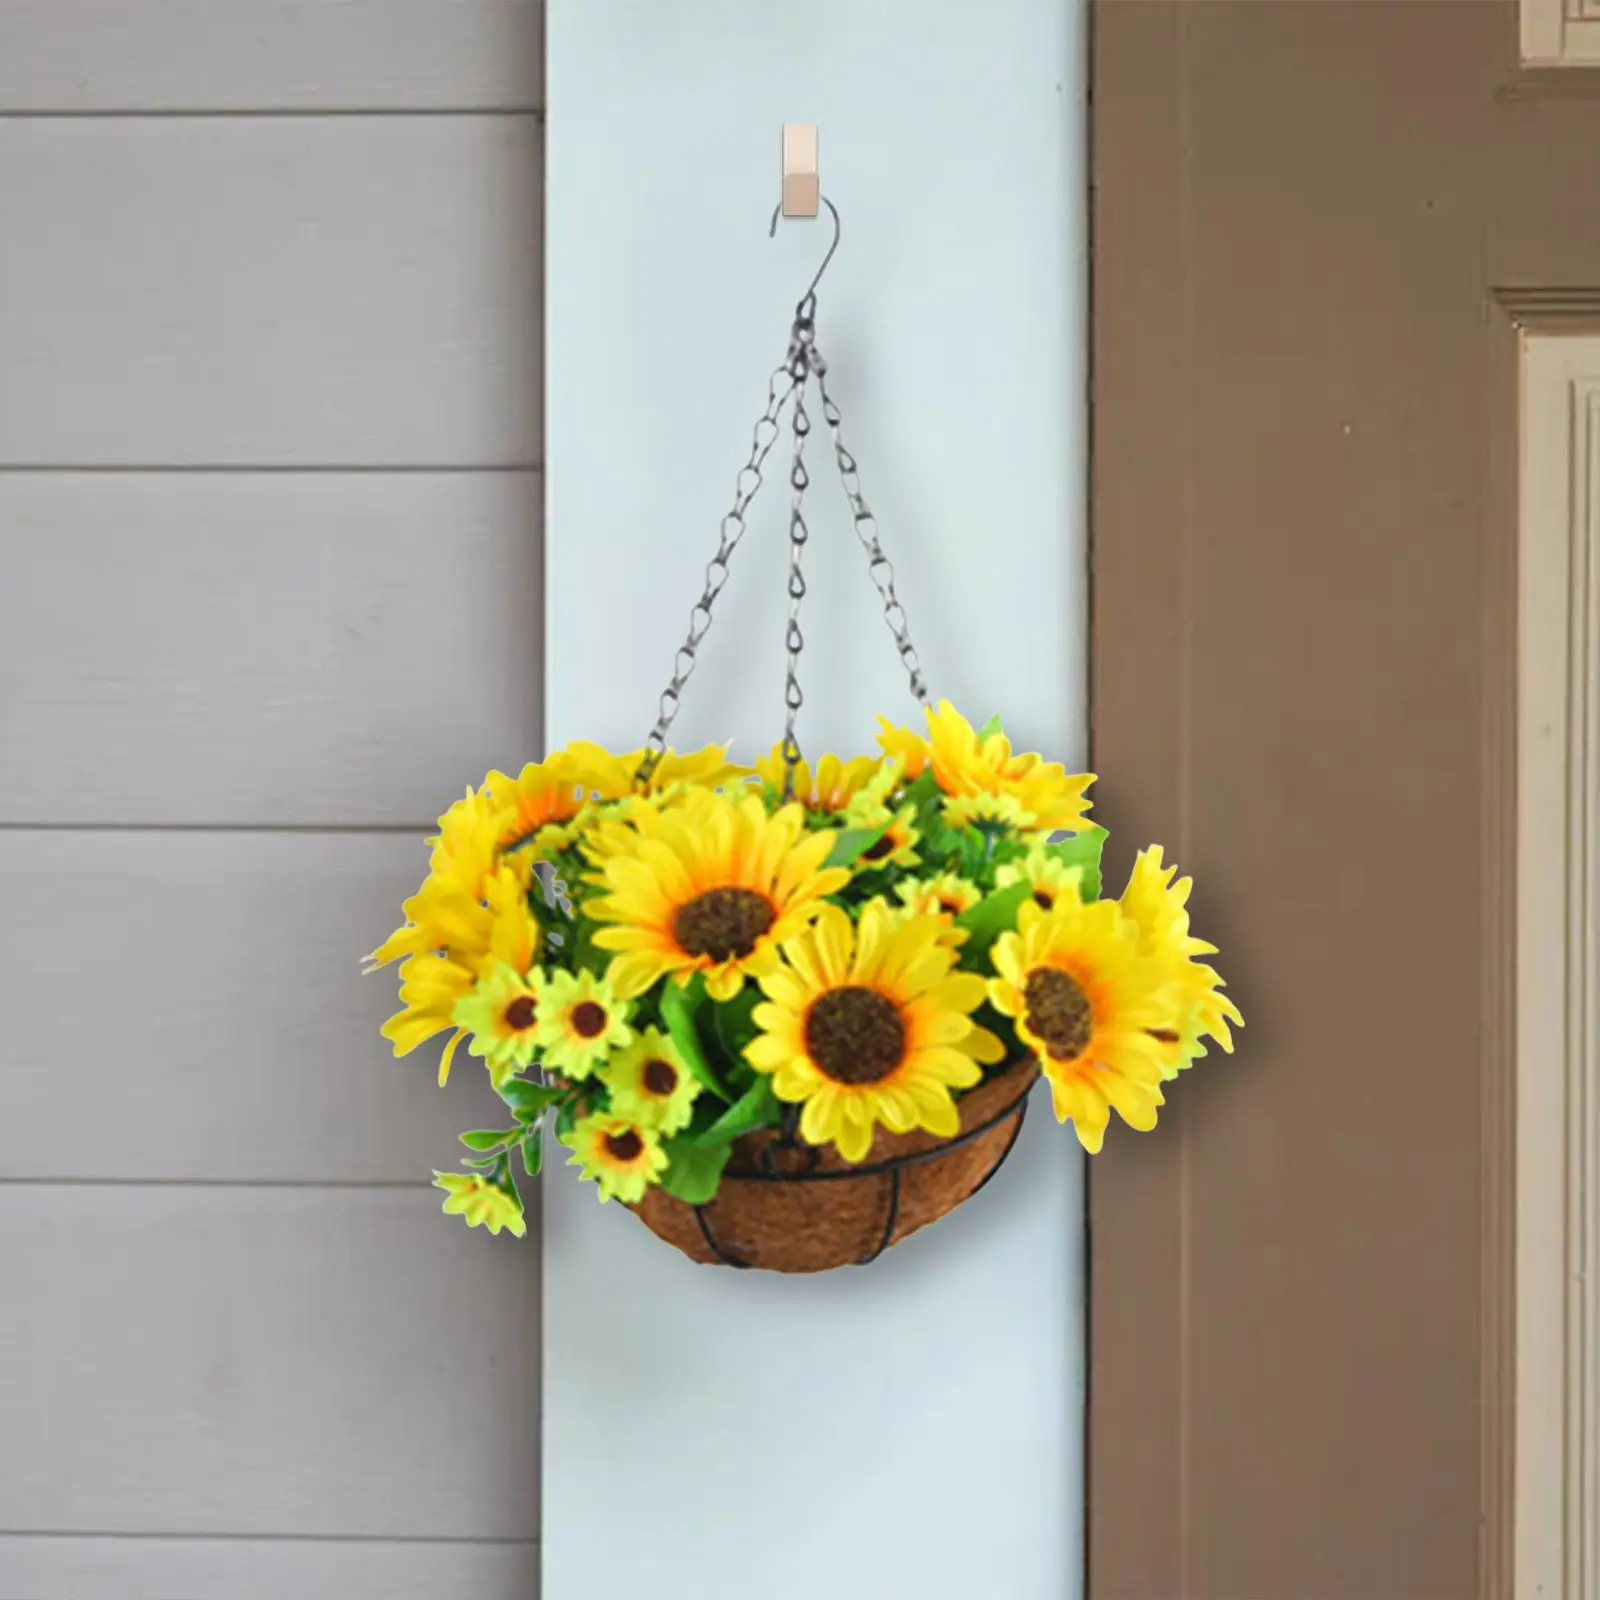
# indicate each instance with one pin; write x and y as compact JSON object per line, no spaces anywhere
{"x":1558,"y":936}
{"x":1573,"y":309}
{"x":1497,"y":1063}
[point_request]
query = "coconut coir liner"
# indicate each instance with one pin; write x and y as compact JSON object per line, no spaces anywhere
{"x":801,"y":1226}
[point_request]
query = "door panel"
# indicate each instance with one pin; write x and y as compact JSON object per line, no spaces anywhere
{"x":1309,"y":221}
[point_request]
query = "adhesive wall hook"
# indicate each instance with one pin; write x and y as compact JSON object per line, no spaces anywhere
{"x":802,"y":188}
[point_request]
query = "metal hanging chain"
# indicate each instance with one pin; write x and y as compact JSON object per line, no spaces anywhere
{"x":780,"y":387}
{"x":803,"y":361}
{"x":879,"y":567}
{"x":801,"y":354}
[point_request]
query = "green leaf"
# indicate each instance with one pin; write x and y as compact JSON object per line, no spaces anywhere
{"x":757,"y":1107}
{"x":484,"y":1165}
{"x":991,"y":727}
{"x":734,"y":1022}
{"x":692,"y":1174}
{"x":488,"y":1138}
{"x":532,"y":1152}
{"x":1084,"y":850}
{"x":851,"y":843}
{"x":993,"y":915}
{"x":923,"y":793}
{"x":566,"y":1116}
{"x":678,"y":1007}
{"x":528,"y":1099}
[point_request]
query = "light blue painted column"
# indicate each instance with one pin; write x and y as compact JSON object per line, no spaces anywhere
{"x":912,"y":1429}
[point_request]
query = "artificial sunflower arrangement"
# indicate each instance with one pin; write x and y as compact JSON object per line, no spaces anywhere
{"x":790,"y":1013}
{"x":669,"y":959}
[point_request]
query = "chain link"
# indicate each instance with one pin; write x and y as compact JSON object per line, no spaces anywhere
{"x":878,"y":564}
{"x":780,"y":387}
{"x":803,"y":362}
{"x":802,"y":353}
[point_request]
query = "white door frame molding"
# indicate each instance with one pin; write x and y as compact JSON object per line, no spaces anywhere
{"x":1558,"y":976}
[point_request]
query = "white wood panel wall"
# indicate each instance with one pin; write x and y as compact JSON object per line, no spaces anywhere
{"x":270,"y":450}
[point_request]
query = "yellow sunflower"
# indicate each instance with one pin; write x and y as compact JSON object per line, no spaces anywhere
{"x":1158,"y":909}
{"x":621,"y":1156}
{"x":581,"y":1021}
{"x":502,"y":1015}
{"x":710,"y":887}
{"x":902,"y":745}
{"x":1049,"y":876}
{"x":540,"y":805}
{"x":828,"y":789}
{"x":433,"y":983}
{"x":611,"y":777}
{"x":466,"y":848}
{"x":431,"y":986}
{"x":613,"y":831}
{"x":868,"y":1024}
{"x":442,"y":915}
{"x":650,"y":1085}
{"x":967,"y":766}
{"x":452,"y":948}
{"x":482,"y":1203}
{"x":1086,"y":1002}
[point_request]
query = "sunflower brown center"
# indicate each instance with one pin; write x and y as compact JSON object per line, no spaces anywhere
{"x":623,"y":1146}
{"x":723,"y":923}
{"x":588,"y":1019}
{"x":659,"y":1077}
{"x":950,"y":906}
{"x":878,"y":849}
{"x":520,"y":1013}
{"x":855,"y":1035}
{"x":1058,"y":1012}
{"x":1043,"y":900}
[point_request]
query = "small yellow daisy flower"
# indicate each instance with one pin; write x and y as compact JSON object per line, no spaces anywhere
{"x":581,"y":1021}
{"x":650,"y":1085}
{"x":483,"y":1204}
{"x":1049,"y":876}
{"x":898,"y":846}
{"x":502,"y":1014}
{"x":945,"y":896}
{"x":623,"y":1158}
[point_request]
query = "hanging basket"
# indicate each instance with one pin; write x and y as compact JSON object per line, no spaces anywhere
{"x":724,"y":988}
{"x":784,"y":1207}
